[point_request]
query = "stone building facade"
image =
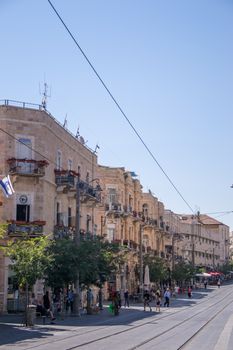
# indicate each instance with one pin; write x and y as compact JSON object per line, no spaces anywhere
{"x":206,"y":241}
{"x":47,"y":166}
{"x":199,"y":239}
{"x":131,"y":218}
{"x":44,"y":161}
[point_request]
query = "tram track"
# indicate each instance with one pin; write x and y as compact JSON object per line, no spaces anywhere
{"x":188,"y":341}
{"x":146,"y":323}
{"x":130,"y":329}
{"x":185,"y":321}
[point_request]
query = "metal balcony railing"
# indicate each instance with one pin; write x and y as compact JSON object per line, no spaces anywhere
{"x":64,"y":178}
{"x":89,"y":192}
{"x":27,"y":167}
{"x":63,"y":232}
{"x":20,"y":228}
{"x":20,"y":104}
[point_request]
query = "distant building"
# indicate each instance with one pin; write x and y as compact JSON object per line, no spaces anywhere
{"x":199,"y":239}
{"x":130,"y":218}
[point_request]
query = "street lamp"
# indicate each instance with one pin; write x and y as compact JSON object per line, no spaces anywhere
{"x":82,"y":188}
{"x":141,"y":264}
{"x":77,"y":242}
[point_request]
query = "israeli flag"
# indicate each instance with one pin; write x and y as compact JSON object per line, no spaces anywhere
{"x":6,"y":186}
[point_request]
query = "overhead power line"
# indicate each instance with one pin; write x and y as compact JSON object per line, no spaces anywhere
{"x":31,"y":148}
{"x":52,"y":162}
{"x":219,"y":212}
{"x":119,"y":107}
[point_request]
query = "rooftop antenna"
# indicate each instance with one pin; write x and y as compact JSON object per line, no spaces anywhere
{"x":65,"y":122}
{"x":77,"y":133}
{"x":45,"y":96}
{"x":96,"y":147}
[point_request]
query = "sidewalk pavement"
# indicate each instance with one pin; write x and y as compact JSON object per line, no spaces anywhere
{"x":103,"y":317}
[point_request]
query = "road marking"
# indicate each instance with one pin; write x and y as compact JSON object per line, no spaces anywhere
{"x":225,"y":335}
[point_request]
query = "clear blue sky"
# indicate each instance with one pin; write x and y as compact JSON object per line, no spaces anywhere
{"x":169,"y":64}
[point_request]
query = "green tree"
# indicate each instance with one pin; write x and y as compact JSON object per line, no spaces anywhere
{"x":183,"y":272}
{"x":157,"y":266}
{"x":2,"y":230}
{"x":29,"y":258}
{"x":227,"y":267}
{"x":64,"y":264}
{"x":92,"y":258}
{"x":98,"y":258}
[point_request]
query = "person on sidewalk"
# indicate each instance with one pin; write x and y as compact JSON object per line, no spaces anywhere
{"x":219,"y":283}
{"x":189,"y":292}
{"x":116,"y":303}
{"x":167,"y":296}
{"x":147,"y":300}
{"x":205,"y":283}
{"x":158,"y":301}
{"x":70,"y":300}
{"x":47,"y":306}
{"x":126,"y":297}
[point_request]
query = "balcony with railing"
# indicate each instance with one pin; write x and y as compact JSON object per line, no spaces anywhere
{"x":61,"y":232}
{"x":89,"y":193}
{"x":137,"y":216}
{"x":128,"y":210}
{"x":21,"y":228}
{"x":27,"y":167}
{"x":113,"y":209}
{"x":65,"y":178}
{"x":148,"y":221}
{"x":117,"y":207}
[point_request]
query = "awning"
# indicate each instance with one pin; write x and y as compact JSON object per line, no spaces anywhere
{"x":203,"y":274}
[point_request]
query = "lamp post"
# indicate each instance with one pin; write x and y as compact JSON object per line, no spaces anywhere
{"x":192,"y":242}
{"x":205,"y":257}
{"x":141,"y":264}
{"x":77,"y":241}
{"x":91,"y":194}
{"x":173,"y":253}
{"x":213,"y":259}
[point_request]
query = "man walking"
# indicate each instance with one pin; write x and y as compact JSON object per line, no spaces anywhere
{"x":167,"y":296}
{"x":147,"y":300}
{"x":205,"y":283}
{"x":126,"y":297}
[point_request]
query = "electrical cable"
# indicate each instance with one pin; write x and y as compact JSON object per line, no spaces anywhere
{"x":31,"y":148}
{"x":52,"y":162}
{"x":119,"y":107}
{"x":219,"y":212}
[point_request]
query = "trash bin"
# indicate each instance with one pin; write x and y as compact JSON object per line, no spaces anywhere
{"x":31,"y":315}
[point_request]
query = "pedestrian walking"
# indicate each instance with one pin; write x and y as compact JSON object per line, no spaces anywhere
{"x":47,"y":306}
{"x":147,"y":300}
{"x":189,"y":292}
{"x":219,"y":283}
{"x":167,"y":296}
{"x":119,"y":298}
{"x":70,"y":300}
{"x":205,"y":283}
{"x":126,"y":297}
{"x":158,"y":301}
{"x":116,"y":303}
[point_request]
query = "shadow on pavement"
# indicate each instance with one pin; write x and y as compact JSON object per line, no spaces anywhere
{"x":11,"y":334}
{"x":12,"y":331}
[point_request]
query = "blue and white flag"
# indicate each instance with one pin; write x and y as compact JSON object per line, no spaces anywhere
{"x":6,"y":186}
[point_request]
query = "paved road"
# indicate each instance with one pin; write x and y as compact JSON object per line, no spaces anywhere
{"x":133,"y":328}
